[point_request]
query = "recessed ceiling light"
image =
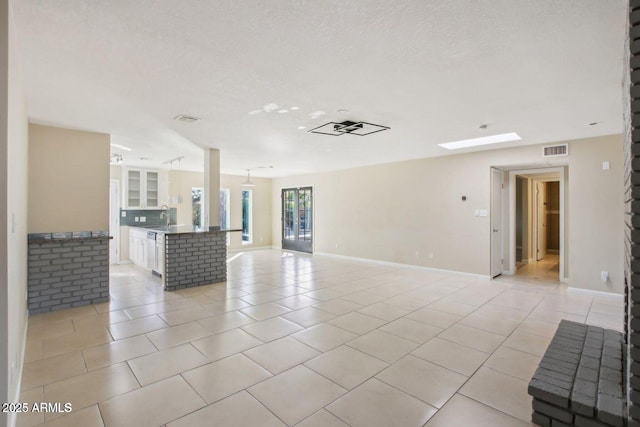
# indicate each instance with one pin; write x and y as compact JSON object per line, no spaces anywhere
{"x":317,"y":114}
{"x":342,"y":111}
{"x":294,"y":108}
{"x":283,"y":111}
{"x":186,"y":118}
{"x":122,"y":147}
{"x":302,"y":127}
{"x":270,"y":107}
{"x":485,"y":140}
{"x":252,"y":112}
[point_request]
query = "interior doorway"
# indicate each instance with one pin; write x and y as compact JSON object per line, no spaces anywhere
{"x":538,"y":230}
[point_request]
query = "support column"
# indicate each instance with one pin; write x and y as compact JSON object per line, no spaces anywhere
{"x":212,"y":188}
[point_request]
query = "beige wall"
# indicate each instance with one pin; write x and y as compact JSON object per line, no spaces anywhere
{"x":185,"y":180}
{"x":262,"y":210}
{"x":401,"y":212}
{"x":181,"y":182}
{"x":13,"y":213}
{"x":68,"y":180}
{"x":596,"y":214}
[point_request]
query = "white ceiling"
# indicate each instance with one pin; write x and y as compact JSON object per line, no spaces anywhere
{"x":432,"y":70}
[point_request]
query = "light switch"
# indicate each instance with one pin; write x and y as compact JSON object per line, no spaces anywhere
{"x":124,"y":214}
{"x":143,"y":219}
{"x":484,"y":212}
{"x":605,"y":166}
{"x":476,"y":212}
{"x":136,"y":219}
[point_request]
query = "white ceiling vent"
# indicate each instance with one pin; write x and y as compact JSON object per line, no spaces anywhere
{"x":555,"y":150}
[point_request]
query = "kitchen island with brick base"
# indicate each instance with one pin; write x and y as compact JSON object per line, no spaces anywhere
{"x":193,"y":256}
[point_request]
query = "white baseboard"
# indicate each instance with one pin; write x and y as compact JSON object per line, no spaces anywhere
{"x":612,"y":295}
{"x":250,"y":248}
{"x":397,"y":264}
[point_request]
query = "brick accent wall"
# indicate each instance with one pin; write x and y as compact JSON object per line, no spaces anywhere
{"x":632,"y":213}
{"x":65,"y":273}
{"x":194,"y":259}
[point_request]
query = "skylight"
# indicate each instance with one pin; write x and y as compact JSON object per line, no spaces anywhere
{"x":485,"y":140}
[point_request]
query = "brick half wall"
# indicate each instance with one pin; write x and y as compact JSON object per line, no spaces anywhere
{"x":67,"y":273}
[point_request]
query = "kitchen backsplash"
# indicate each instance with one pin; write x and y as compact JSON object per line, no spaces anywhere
{"x":151,"y":217}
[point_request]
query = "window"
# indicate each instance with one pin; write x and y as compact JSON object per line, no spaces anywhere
{"x":196,"y":206}
{"x":225,"y":211}
{"x":247,"y":226}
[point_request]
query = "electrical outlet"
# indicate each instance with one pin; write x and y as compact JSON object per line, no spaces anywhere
{"x":136,"y":219}
{"x":417,"y":254}
{"x":143,"y":219}
{"x":124,"y":214}
{"x":604,"y":276}
{"x":430,"y":256}
{"x":337,"y":246}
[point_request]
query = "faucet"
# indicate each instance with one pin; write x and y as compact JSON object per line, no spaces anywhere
{"x":165,"y":214}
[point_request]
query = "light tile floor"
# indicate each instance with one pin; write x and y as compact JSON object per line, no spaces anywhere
{"x":293,"y":339}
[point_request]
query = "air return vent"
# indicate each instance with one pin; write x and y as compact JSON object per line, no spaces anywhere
{"x":555,"y":150}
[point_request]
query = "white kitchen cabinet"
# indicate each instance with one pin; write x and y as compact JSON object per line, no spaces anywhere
{"x":138,"y":251}
{"x":145,"y":188}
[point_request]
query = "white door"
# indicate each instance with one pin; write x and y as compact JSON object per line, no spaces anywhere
{"x":496,"y":222}
{"x":541,"y":221}
{"x":114,"y":221}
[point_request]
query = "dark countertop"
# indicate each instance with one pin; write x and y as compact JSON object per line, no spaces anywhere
{"x":184,"y":229}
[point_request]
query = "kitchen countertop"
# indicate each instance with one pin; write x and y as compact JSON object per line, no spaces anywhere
{"x":183,"y":229}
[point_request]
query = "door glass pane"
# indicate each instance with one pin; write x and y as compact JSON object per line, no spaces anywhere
{"x":289,"y":215}
{"x":152,"y":189}
{"x":133,"y":189}
{"x":302,"y":209}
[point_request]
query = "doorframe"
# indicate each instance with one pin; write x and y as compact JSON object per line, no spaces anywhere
{"x":499,"y":212}
{"x":535,"y":215}
{"x":313,"y":213}
{"x":512,"y":215}
{"x":116,"y":232}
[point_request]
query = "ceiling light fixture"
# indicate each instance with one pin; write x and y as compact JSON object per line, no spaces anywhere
{"x":294,"y":108}
{"x":270,"y":107}
{"x":122,"y":147}
{"x":283,"y":111}
{"x":248,"y":182}
{"x":185,"y":118}
{"x":485,"y":140}
{"x":302,"y":127}
{"x":352,"y":128}
{"x":116,"y":159}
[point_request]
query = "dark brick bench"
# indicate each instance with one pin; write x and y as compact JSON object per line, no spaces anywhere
{"x":579,"y":381}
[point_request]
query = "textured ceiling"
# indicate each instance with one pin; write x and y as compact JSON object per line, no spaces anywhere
{"x":432,"y":70}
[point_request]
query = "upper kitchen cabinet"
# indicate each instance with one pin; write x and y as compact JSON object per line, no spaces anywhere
{"x":145,"y":188}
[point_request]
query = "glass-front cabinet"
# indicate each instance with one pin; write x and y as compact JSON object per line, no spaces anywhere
{"x":144,"y":188}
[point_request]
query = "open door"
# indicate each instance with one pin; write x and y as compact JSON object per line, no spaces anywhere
{"x":496,"y":222}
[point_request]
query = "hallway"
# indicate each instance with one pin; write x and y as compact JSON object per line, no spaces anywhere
{"x":547,"y":269}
